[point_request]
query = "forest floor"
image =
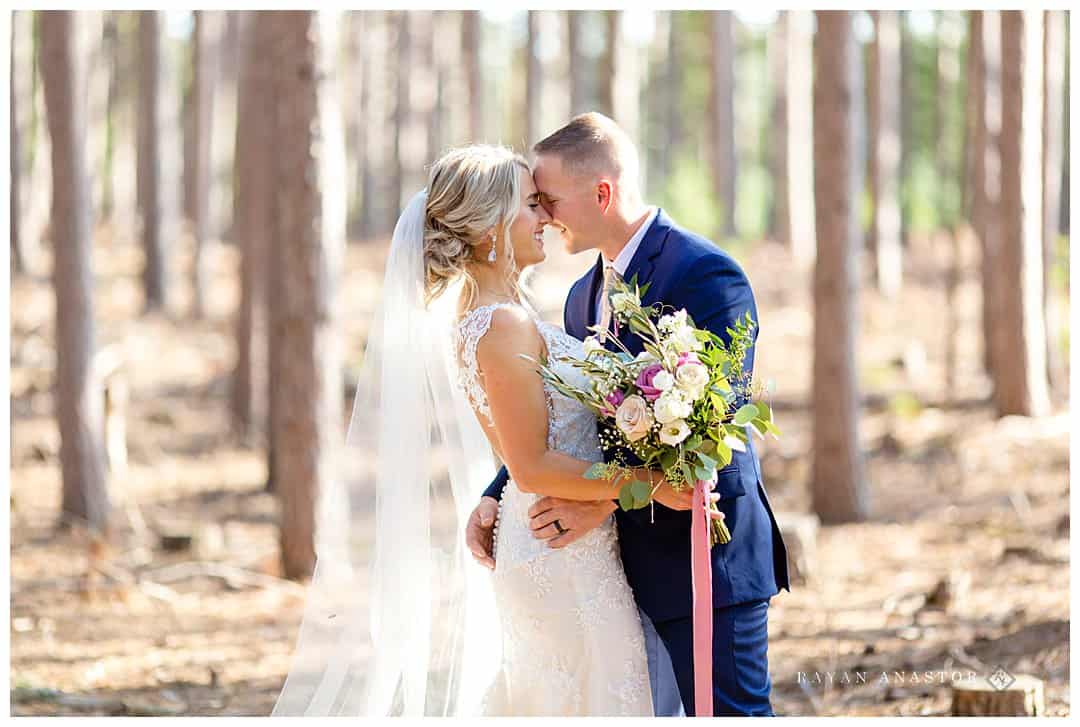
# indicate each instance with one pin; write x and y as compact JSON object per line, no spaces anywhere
{"x":960,"y":503}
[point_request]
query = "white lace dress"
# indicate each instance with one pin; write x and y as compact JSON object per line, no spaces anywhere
{"x":572,"y":637}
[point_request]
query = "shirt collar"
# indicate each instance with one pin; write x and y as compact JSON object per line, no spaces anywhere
{"x":622,"y":260}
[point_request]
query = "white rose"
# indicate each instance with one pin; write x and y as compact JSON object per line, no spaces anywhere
{"x":663,"y":381}
{"x":672,"y":321}
{"x":592,"y":345}
{"x":674,"y":432}
{"x":633,"y":418}
{"x":623,"y":302}
{"x":683,"y":339}
{"x":671,"y":406}
{"x":692,"y":378}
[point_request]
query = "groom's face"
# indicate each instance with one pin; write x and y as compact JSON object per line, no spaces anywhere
{"x":570,"y":201}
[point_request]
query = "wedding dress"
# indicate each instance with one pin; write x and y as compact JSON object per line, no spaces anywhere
{"x":572,"y":641}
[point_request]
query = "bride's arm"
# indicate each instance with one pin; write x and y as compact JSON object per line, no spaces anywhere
{"x":515,"y":396}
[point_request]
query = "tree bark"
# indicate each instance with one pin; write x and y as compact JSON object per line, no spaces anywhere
{"x":907,"y":123}
{"x":800,"y":147}
{"x":838,"y":488}
{"x":1020,"y":359}
{"x":79,"y":406}
{"x":18,"y":262}
{"x":778,"y":227}
{"x":471,"y":38}
{"x":534,"y":79}
{"x":1053,"y":132}
{"x":311,"y":218}
{"x":149,"y":160}
{"x":253,"y":217}
{"x":606,"y":91}
{"x":579,"y":100}
{"x":722,"y":116}
{"x":207,"y":39}
{"x":884,"y":113}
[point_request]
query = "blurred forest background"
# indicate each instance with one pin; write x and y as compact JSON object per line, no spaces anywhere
{"x":201,"y":206}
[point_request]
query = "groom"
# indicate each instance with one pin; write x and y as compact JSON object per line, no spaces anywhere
{"x":587,"y":174}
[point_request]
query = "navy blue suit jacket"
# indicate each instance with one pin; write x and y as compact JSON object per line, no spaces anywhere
{"x":689,"y":271}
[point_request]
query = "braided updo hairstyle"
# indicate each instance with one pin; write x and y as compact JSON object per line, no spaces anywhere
{"x":471,"y":190}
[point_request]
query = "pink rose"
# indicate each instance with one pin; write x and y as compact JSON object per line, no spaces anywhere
{"x":614,"y":399}
{"x":689,"y":357}
{"x":633,"y":418}
{"x":645,"y":381}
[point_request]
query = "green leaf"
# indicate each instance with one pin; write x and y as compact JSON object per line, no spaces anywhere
{"x":745,"y":414}
{"x":596,"y":471}
{"x":764,"y":411}
{"x":626,"y":498}
{"x":706,"y":460}
{"x":772,"y":429}
{"x":707,"y":447}
{"x":641,"y":492}
{"x":692,"y":443}
{"x":723,"y":453}
{"x":686,"y":472}
{"x":760,"y":427}
{"x":704,"y":474}
{"x":668,"y":459}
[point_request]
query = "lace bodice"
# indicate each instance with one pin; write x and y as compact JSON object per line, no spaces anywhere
{"x":572,"y":639}
{"x":571,"y":426}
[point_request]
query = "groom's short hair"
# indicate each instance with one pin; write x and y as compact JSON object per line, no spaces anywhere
{"x":592,"y":142}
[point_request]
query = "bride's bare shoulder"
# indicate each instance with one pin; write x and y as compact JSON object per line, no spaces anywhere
{"x":512,"y":331}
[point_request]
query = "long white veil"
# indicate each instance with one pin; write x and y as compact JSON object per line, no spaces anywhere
{"x":399,"y":619}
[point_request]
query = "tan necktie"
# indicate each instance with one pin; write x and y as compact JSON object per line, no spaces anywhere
{"x":610,"y":276}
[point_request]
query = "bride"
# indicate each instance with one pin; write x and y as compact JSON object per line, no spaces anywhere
{"x":421,"y":629}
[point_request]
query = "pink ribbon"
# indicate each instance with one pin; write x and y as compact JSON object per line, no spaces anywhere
{"x":701,"y":588}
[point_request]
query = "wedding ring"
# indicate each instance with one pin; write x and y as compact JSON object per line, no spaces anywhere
{"x":559,"y":527}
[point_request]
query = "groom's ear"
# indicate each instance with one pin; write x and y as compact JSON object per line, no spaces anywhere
{"x":604,"y":195}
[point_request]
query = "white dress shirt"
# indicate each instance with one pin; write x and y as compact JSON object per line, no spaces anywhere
{"x":622,"y":260}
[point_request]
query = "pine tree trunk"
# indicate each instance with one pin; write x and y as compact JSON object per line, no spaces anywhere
{"x":1053,"y":97}
{"x":534,"y":80}
{"x":800,"y":146}
{"x":907,"y":122}
{"x":579,"y":101}
{"x":471,"y":38}
{"x":310,"y":216}
{"x":884,"y":113}
{"x":722,"y":99}
{"x":778,"y":226}
{"x":18,"y":262}
{"x":606,"y":90}
{"x":149,"y":159}
{"x":837,"y":486}
{"x":1020,"y":359}
{"x":79,"y":405}
{"x":253,"y":226}
{"x":206,"y":39}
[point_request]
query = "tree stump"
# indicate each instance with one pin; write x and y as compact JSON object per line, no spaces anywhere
{"x":800,"y":536}
{"x":999,"y":695}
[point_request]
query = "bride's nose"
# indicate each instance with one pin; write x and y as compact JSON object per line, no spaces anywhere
{"x":542,"y":214}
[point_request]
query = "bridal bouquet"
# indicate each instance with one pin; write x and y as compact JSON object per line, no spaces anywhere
{"x":681,"y":406}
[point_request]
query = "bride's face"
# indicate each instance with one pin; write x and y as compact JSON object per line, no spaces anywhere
{"x":527,"y":231}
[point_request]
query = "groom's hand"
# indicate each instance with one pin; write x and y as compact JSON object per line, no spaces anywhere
{"x":479,"y":531}
{"x":576,"y":517}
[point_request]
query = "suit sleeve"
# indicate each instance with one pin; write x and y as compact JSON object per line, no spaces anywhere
{"x":495,"y":489}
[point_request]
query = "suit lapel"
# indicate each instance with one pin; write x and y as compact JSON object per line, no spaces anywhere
{"x":643,"y":265}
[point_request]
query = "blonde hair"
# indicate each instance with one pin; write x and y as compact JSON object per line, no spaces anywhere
{"x":471,"y":189}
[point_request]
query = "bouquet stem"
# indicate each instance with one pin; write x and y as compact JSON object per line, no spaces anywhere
{"x":718,"y":530}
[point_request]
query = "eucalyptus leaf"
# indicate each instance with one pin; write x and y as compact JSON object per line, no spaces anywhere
{"x":641,"y":492}
{"x":626,"y":498}
{"x":745,"y":414}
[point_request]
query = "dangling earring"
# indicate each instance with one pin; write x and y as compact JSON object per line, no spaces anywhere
{"x":491,"y":255}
